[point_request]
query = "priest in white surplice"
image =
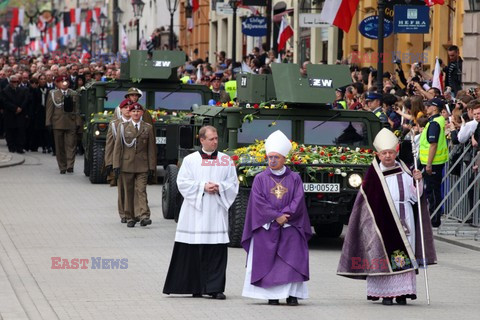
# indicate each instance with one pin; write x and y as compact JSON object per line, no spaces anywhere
{"x":208,"y":183}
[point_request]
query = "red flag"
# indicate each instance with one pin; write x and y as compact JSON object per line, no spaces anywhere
{"x":339,"y":13}
{"x":14,"y":21}
{"x":434,"y":2}
{"x":285,"y":33}
{"x":72,"y":16}
{"x":195,"y":5}
{"x":89,"y":17}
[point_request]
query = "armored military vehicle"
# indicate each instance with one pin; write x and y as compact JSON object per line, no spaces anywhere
{"x":332,"y":148}
{"x":167,"y":99}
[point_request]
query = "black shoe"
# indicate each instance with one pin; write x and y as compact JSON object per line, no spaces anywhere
{"x":145,"y":222}
{"x":387,"y":301}
{"x":401,"y":300}
{"x":197,"y":295}
{"x":218,"y":296}
{"x":131,"y":224}
{"x":273,"y":302}
{"x":70,"y":170}
{"x":292,"y":301}
{"x":124,"y":220}
{"x":62,"y":171}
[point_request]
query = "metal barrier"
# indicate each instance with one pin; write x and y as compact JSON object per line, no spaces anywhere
{"x":461,"y":201}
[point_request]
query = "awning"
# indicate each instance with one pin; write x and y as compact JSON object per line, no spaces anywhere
{"x":278,"y":17}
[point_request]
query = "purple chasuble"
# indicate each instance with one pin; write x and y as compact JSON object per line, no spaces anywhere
{"x":280,"y":255}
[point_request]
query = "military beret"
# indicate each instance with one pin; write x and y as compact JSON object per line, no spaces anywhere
{"x":135,"y":106}
{"x":61,"y":79}
{"x":125,"y":103}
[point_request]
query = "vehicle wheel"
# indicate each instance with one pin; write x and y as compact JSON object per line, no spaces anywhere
{"x":86,"y":167}
{"x":236,"y":218}
{"x":170,"y":193}
{"x":329,"y":230}
{"x":97,"y":174}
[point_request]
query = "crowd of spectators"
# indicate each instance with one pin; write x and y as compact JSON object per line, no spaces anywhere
{"x":24,"y":87}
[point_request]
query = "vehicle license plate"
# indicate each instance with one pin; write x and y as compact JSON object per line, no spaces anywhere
{"x":322,"y":187}
{"x":161,"y":140}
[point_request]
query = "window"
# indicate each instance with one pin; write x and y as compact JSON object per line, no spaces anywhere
{"x":177,"y":100}
{"x":115,"y":97}
{"x":260,"y":129}
{"x":336,"y":133}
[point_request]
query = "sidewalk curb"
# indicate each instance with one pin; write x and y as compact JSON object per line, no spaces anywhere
{"x":16,"y":160}
{"x":458,"y":243}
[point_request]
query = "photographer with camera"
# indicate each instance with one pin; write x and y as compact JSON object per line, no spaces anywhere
{"x":453,"y":71}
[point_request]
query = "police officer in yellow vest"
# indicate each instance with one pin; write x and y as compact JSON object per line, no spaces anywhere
{"x":434,"y":155}
{"x":340,"y":102}
{"x":374,"y":104}
{"x":231,"y":87}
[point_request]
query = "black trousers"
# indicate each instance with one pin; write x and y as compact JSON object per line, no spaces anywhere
{"x":433,"y":191}
{"x":15,"y":138}
{"x":197,"y":269}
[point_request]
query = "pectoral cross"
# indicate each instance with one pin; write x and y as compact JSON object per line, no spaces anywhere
{"x":278,"y":190}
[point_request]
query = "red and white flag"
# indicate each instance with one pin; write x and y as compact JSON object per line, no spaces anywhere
{"x":434,"y":2}
{"x":285,"y":33}
{"x":18,"y":15}
{"x":339,"y":13}
{"x":437,"y":81}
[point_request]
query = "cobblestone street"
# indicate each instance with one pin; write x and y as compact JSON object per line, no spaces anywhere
{"x":44,"y":214}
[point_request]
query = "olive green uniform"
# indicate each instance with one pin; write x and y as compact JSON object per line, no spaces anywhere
{"x":135,"y":154}
{"x":62,"y":114}
{"x":109,"y":146}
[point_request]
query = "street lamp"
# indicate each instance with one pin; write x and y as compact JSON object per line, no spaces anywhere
{"x":103,"y":25}
{"x":172,"y":7}
{"x":92,"y":32}
{"x":381,"y":17}
{"x":234,"y":4}
{"x":117,"y":16}
{"x":137,"y":13}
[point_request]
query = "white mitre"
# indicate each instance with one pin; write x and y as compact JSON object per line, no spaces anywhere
{"x":385,"y":140}
{"x":278,"y":142}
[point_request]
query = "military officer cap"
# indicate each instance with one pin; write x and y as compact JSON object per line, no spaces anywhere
{"x":373,"y":96}
{"x":135,"y":106}
{"x":134,"y":90}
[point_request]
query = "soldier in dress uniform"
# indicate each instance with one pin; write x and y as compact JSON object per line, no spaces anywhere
{"x":134,"y":94}
{"x":62,"y":115}
{"x":109,"y":146}
{"x":134,"y":161}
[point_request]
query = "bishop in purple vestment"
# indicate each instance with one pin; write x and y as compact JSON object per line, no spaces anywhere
{"x":277,"y":230}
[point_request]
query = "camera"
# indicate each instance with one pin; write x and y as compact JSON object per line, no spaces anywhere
{"x":387,"y":75}
{"x":397,"y":61}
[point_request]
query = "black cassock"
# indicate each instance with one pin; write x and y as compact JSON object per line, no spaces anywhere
{"x":197,"y":269}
